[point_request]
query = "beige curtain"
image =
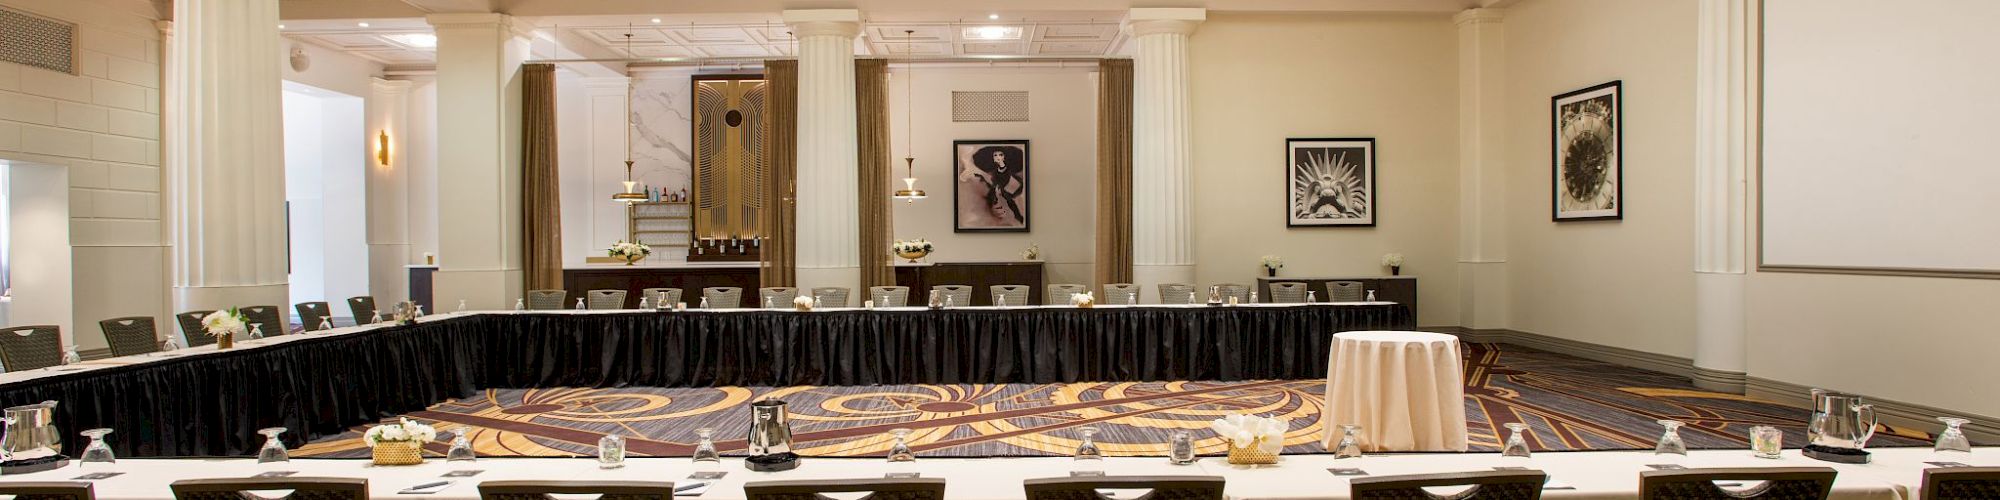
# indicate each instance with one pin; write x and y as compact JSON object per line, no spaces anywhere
{"x":1114,"y":172}
{"x":781,"y":158}
{"x":541,"y":206}
{"x":871,"y":110}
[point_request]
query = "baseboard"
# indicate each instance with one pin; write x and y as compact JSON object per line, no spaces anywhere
{"x":1891,"y":412}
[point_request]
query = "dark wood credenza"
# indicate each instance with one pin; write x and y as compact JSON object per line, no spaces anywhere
{"x":635,"y":279}
{"x":1398,"y":289}
{"x":980,"y":275}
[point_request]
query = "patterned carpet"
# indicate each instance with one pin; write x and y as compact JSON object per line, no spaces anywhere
{"x":1571,"y":404}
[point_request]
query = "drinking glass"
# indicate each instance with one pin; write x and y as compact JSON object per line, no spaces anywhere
{"x":1088,"y":457}
{"x":98,"y":452}
{"x":461,"y":447}
{"x":1132,"y":299}
{"x":1371,"y":295}
{"x":1191,"y":297}
{"x":170,"y":343}
{"x":704,"y":302}
{"x":1953,"y":439}
{"x":610,"y":452}
{"x":461,"y":305}
{"x":579,"y":304}
{"x":935,"y":299}
{"x":817,"y":303}
{"x":947,"y":300}
{"x":645,"y":304}
{"x":1180,"y":449}
{"x":900,"y":450}
{"x":704,"y":452}
{"x":420,"y":311}
{"x":256,"y":331}
{"x":999,"y":301}
{"x":1670,"y":442}
{"x":1766,"y":442}
{"x":274,"y":448}
{"x":767,"y":302}
{"x":1312,"y":297}
{"x":1253,"y":296}
{"x":1350,"y":442}
{"x":1517,"y":445}
{"x":71,"y":357}
{"x":325,"y":324}
{"x":376,"y":317}
{"x":520,"y":304}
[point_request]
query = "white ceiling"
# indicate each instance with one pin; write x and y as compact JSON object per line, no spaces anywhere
{"x":952,"y":39}
{"x":384,"y":41}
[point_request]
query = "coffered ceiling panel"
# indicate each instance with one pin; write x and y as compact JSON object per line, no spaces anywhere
{"x":391,"y":47}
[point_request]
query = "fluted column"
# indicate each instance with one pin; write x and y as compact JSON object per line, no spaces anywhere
{"x":478,"y":160}
{"x":227,"y":170}
{"x":829,"y":220}
{"x":1724,"y":86}
{"x":1162,"y":150}
{"x":1482,"y":177}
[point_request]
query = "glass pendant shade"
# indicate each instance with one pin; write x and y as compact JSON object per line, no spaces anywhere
{"x":910,"y":193}
{"x":630,"y":195}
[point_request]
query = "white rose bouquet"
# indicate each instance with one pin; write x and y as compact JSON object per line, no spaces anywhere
{"x":624,"y":249}
{"x":1246,"y":431}
{"x":404,"y":431}
{"x":1392,"y":259}
{"x":1272,"y":262}
{"x":919,"y":245}
{"x":1084,"y":299}
{"x":225,"y":322}
{"x":802,"y":303}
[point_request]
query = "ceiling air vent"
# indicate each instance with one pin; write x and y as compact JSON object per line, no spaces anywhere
{"x":1008,"y":106}
{"x":37,"y":41}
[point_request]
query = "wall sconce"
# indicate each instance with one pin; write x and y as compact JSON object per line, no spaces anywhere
{"x":382,"y":148}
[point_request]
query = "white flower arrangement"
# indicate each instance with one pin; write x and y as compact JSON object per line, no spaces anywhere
{"x":1082,"y":299}
{"x":802,"y":302}
{"x":1273,"y":262}
{"x":224,"y":322}
{"x":918,"y":245}
{"x":404,"y":431}
{"x":623,"y":249}
{"x":1392,"y":259}
{"x":1244,"y":431}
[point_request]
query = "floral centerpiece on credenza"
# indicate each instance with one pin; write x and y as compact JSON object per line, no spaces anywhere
{"x":1252,"y":439}
{"x":400,"y":443}
{"x":1083,"y":300}
{"x":912,"y":249}
{"x":1395,"y":263}
{"x":631,"y":251}
{"x":1271,"y":264}
{"x":224,"y":325}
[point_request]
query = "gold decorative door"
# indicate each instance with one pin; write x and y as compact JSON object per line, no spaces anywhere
{"x":729,"y":169}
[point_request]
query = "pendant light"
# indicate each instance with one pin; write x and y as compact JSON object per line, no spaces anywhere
{"x":909,"y":194}
{"x":631,"y":194}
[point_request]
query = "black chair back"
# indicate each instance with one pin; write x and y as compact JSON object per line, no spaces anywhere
{"x":606,"y":490}
{"x":130,"y":335}
{"x":1486,"y":485}
{"x":48,"y":490}
{"x":311,"y":314}
{"x":269,"y":319}
{"x":29,"y":347}
{"x":878,"y":489}
{"x":191,"y":329}
{"x":303,"y":488}
{"x":1961,"y":483}
{"x":1780,"y":483}
{"x":1159,"y":487}
{"x":362,"y":307}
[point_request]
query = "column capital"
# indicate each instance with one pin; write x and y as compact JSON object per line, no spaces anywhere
{"x":823,"y":22}
{"x":388,"y":86}
{"x":1155,"y":21}
{"x":1478,"y":16}
{"x":166,"y":27}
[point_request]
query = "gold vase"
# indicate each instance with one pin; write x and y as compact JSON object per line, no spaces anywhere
{"x":398,"y":453}
{"x":1250,"y":455}
{"x":913,"y":255}
{"x":633,"y":259}
{"x":225,"y":341}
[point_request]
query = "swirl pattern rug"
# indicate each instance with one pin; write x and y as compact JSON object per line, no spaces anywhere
{"x":1569,"y":403}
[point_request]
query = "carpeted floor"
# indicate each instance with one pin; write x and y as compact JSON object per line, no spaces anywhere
{"x":1571,"y":404}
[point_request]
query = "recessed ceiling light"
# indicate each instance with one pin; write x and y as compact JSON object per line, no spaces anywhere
{"x":416,"y":40}
{"x":656,"y":20}
{"x":361,"y":24}
{"x":281,"y":26}
{"x":992,"y":16}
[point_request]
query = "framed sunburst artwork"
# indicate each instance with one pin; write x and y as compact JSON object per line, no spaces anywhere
{"x":1330,"y":182}
{"x":1588,"y":164}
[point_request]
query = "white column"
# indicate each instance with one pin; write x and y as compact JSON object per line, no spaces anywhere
{"x":1162,"y":149}
{"x":478,"y":159}
{"x":829,"y":219}
{"x":388,"y":185}
{"x":1482,"y":176}
{"x":227,"y":168}
{"x":1723,"y":134}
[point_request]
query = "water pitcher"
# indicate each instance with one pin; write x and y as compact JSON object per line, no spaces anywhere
{"x":31,"y":432}
{"x":770,"y":438}
{"x":1840,"y":420}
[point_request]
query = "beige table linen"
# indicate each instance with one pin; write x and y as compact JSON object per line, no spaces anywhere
{"x":1405,"y":389}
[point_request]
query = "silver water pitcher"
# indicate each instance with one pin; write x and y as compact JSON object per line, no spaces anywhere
{"x":1838,"y":421}
{"x":770,"y":438}
{"x":31,"y":432}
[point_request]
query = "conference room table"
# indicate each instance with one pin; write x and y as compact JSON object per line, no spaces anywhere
{"x":1895,"y":475}
{"x":209,"y":402}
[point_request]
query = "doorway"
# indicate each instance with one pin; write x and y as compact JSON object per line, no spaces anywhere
{"x":326,"y":164}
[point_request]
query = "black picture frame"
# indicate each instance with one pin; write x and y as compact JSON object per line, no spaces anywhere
{"x":1587,"y":154}
{"x":1006,"y":212}
{"x":1313,"y":166}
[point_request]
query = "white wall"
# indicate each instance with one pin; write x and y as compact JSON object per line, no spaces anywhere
{"x":38,"y":213}
{"x":1258,"y":79}
{"x":1626,"y":283}
{"x":1062,"y":163}
{"x":421,"y":160}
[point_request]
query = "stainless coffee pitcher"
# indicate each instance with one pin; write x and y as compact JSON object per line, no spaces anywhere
{"x":1838,"y":420}
{"x":31,"y":431}
{"x":770,"y":428}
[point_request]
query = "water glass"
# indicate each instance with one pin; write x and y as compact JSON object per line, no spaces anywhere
{"x":98,"y":452}
{"x":461,"y":447}
{"x":767,"y":302}
{"x":610,"y":452}
{"x":325,"y":324}
{"x":376,"y":317}
{"x":704,"y":452}
{"x":579,"y":304}
{"x":704,"y":302}
{"x":71,"y":357}
{"x":1766,"y":442}
{"x":644,"y":303}
{"x":999,"y":300}
{"x":461,"y":305}
{"x":1371,"y":295}
{"x":1253,"y":296}
{"x":1670,"y":442}
{"x":1312,"y":297}
{"x":1180,"y":449}
{"x":256,"y":331}
{"x":1517,"y":445}
{"x":520,"y":304}
{"x":274,"y":448}
{"x":1088,"y":457}
{"x":899,"y":451}
{"x":817,"y":303}
{"x":420,"y":311}
{"x":1350,"y":442}
{"x":170,"y":343}
{"x":1952,"y":438}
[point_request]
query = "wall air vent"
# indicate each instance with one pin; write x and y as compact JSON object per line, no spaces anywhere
{"x":37,"y":41}
{"x":1007,"y":106}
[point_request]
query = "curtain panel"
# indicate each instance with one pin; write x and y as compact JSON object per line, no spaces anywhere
{"x":1114,"y":172}
{"x":541,"y":192}
{"x":779,"y":255}
{"x":871,"y":102}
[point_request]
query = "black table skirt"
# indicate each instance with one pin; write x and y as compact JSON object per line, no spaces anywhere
{"x":213,"y":405}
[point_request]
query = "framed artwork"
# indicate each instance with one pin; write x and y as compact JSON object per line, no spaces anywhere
{"x":1587,"y":162}
{"x":1330,"y":182}
{"x":990,"y":189}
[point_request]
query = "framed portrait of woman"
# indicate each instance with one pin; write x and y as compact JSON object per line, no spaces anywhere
{"x":990,"y":188}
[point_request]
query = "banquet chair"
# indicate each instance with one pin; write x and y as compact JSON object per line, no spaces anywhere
{"x":1120,"y":294}
{"x":723,"y":297}
{"x":878,"y":489}
{"x":959,"y":295}
{"x":130,"y":335}
{"x":363,"y":308}
{"x":831,"y":296}
{"x":605,"y":299}
{"x":1014,"y":295}
{"x":1960,"y":483}
{"x":1059,"y":294}
{"x":268,"y":319}
{"x":1242,"y":293}
{"x":606,"y":490}
{"x":1288,"y":293}
{"x":889,"y":296}
{"x":310,"y":314}
{"x":1780,"y":483}
{"x":1158,"y":487}
{"x":541,"y":300}
{"x":29,"y":347}
{"x":1175,"y":293}
{"x":48,"y":490}
{"x":1345,"y":291}
{"x":302,"y":488}
{"x":1486,"y":485}
{"x":673,"y":296}
{"x":779,"y":297}
{"x":192,"y":334}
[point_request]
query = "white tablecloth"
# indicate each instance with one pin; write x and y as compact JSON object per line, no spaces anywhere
{"x":1405,"y":389}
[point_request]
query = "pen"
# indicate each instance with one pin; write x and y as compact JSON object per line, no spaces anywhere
{"x":689,"y":486}
{"x":426,"y":486}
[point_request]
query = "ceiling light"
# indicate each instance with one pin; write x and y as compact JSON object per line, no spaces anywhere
{"x":656,"y":20}
{"x":416,"y":40}
{"x":993,"y":16}
{"x":363,"y":24}
{"x":281,"y":26}
{"x":992,"y":33}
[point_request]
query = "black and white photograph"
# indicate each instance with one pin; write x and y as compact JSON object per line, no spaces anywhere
{"x":991,"y":188}
{"x":1330,"y":182}
{"x":1588,"y":163}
